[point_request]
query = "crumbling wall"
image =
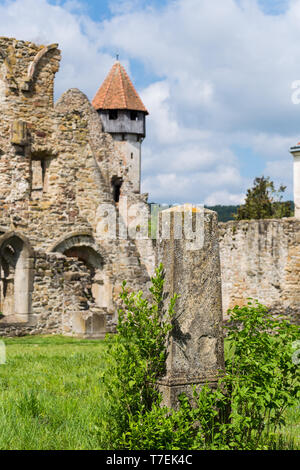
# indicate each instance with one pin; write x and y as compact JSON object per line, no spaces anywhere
{"x":56,"y":167}
{"x":61,"y":291}
{"x":261,"y":259}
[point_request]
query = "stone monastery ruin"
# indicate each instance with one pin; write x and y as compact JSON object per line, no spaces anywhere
{"x":62,"y":167}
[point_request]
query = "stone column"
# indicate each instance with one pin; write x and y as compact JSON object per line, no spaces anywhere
{"x":192,"y":270}
{"x":295,"y":151}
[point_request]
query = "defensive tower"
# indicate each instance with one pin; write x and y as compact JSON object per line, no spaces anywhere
{"x":123,"y":115}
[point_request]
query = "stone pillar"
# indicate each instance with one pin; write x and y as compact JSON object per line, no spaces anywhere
{"x":192,"y":270}
{"x":295,"y":151}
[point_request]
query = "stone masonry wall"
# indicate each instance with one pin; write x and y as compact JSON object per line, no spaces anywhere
{"x":56,"y":168}
{"x":61,"y":291}
{"x":261,"y":259}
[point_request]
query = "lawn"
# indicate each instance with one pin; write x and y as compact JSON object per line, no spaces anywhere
{"x":50,"y":395}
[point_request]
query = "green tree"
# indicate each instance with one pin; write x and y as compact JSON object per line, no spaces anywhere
{"x":263,"y":201}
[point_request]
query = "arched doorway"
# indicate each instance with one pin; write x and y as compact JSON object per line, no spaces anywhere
{"x":84,"y":248}
{"x":16,"y":278}
{"x":94,"y":263}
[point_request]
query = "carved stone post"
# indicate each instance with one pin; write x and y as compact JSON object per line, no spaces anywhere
{"x":192,"y":270}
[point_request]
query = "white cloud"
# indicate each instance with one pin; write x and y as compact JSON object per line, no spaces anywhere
{"x":273,"y":146}
{"x":224,"y":198}
{"x":227,"y":73}
{"x":193,"y":187}
{"x":83,"y":65}
{"x":222,"y":74}
{"x":165,"y":128}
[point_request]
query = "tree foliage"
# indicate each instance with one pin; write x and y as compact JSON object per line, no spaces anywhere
{"x":263,"y":201}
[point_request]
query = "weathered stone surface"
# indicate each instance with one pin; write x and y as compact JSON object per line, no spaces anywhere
{"x":261,"y":259}
{"x":195,"y":350}
{"x":56,"y":172}
{"x":56,"y":169}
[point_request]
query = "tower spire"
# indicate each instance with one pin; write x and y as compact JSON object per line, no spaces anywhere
{"x":118,"y":92}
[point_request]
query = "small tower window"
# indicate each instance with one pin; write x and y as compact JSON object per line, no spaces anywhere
{"x":113,"y":114}
{"x":116,"y":183}
{"x":133,"y":115}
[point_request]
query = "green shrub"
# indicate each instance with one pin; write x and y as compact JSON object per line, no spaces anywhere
{"x":188,"y":428}
{"x":262,"y":380}
{"x":245,"y":411}
{"x":135,"y":357}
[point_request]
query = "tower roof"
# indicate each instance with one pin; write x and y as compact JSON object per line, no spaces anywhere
{"x":118,"y":92}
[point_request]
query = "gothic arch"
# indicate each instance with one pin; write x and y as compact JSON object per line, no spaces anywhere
{"x":16,"y":277}
{"x":34,"y":64}
{"x":76,"y":239}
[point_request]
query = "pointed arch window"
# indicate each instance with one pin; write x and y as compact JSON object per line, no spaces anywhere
{"x":16,"y":278}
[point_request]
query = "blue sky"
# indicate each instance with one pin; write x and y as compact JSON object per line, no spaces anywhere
{"x":104,"y":9}
{"x":274,"y":7}
{"x":216,"y":76}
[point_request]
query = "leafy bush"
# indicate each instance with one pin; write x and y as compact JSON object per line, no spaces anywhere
{"x":244,"y":412}
{"x":135,"y":358}
{"x":262,"y":381}
{"x":190,"y":427}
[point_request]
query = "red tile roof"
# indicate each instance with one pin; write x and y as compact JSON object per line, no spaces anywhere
{"x":118,"y":92}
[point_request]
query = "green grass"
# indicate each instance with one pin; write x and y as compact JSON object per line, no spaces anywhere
{"x":289,"y":436}
{"x":50,"y":395}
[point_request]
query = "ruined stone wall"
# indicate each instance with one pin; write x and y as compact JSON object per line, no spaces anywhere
{"x":56,"y":167}
{"x":61,"y":289}
{"x":261,"y":259}
{"x":56,"y":171}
